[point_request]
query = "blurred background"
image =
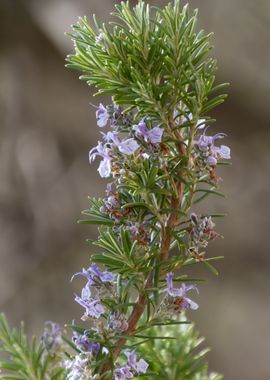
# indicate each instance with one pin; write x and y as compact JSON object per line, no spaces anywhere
{"x":47,"y":128}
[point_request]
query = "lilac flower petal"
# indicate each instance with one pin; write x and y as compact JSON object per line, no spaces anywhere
{"x":123,"y":373}
{"x":139,"y":366}
{"x":174,"y":292}
{"x":210,"y":152}
{"x":219,"y":136}
{"x":111,"y":137}
{"x":103,"y":276}
{"x":99,"y":150}
{"x":104,"y":168}
{"x":212,"y":161}
{"x":224,"y":152}
{"x":86,"y":274}
{"x":142,"y":366}
{"x":128,"y":146}
{"x":92,"y":307}
{"x":86,"y":292}
{"x":141,"y":129}
{"x":152,"y":136}
{"x":181,"y":293}
{"x":155,"y":135}
{"x":132,"y":358}
{"x":94,"y":270}
{"x":191,"y":287}
{"x":102,"y":116}
{"x":84,"y":344}
{"x":191,"y":304}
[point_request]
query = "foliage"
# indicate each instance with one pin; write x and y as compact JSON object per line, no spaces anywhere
{"x":179,"y":358}
{"x":160,"y":163}
{"x":148,"y":58}
{"x":26,"y":360}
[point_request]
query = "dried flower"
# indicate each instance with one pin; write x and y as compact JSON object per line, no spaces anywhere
{"x":202,"y":231}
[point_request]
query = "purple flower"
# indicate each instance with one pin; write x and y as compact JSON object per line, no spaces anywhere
{"x":94,"y":275}
{"x":84,"y":344}
{"x":103,"y":276}
{"x":210,"y":152}
{"x":139,"y":366}
{"x":123,"y":373}
{"x":126,"y":146}
{"x":153,"y":136}
{"x":79,"y":368}
{"x":92,"y":306}
{"x":211,"y":161}
{"x":102,"y":116}
{"x":117,"y":322}
{"x":105,"y":165}
{"x":180,"y":293}
{"x":111,"y":137}
{"x":223,"y":152}
{"x":104,"y":168}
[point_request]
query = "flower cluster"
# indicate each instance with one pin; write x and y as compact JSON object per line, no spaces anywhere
{"x":132,"y":368}
{"x":114,"y":145}
{"x":112,"y":115}
{"x":209,"y":152}
{"x":129,"y":144}
{"x":78,"y":368}
{"x":102,"y":283}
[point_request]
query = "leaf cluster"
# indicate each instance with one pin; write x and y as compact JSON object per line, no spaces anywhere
{"x":148,"y":58}
{"x":176,"y":359}
{"x":23,"y":360}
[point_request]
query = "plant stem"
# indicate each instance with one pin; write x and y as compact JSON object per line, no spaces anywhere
{"x":166,"y":237}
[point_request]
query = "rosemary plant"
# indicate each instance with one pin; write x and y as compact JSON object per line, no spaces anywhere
{"x":160,"y":160}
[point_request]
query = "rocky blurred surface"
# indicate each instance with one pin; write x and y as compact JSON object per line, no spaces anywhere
{"x":47,"y":127}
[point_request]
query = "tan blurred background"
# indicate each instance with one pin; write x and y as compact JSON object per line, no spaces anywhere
{"x":47,"y":128}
